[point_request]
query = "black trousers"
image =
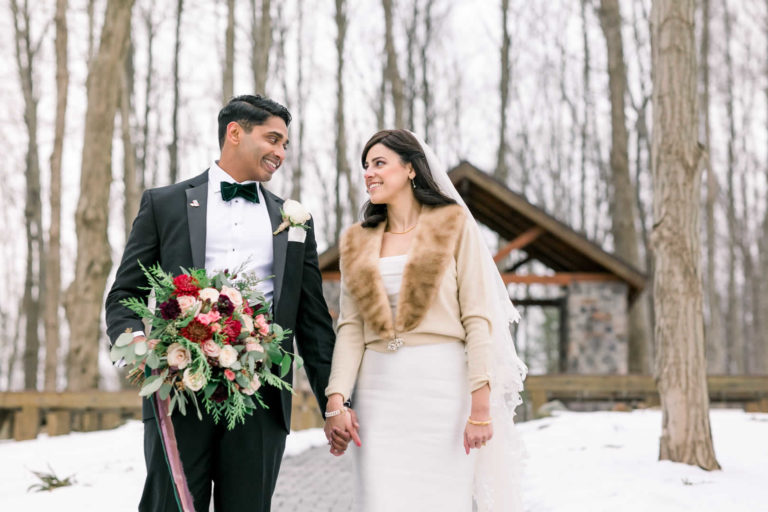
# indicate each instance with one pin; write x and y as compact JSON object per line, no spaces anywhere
{"x":242,"y":464}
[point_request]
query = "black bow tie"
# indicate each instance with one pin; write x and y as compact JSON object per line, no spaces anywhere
{"x":247,"y":191}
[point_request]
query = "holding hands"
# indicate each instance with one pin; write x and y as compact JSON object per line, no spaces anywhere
{"x":341,"y":425}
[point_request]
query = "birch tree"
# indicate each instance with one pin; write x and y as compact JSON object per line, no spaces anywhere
{"x":93,"y":263}
{"x":681,"y":366}
{"x":173,"y":147}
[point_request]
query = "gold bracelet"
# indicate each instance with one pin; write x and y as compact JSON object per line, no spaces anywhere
{"x":479,"y":423}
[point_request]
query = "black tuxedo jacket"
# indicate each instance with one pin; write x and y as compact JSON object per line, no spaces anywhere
{"x":170,"y":229}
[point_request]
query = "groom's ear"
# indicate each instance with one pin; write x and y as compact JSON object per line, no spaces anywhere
{"x":234,"y":131}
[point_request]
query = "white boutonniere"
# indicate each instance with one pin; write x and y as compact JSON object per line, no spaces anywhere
{"x":295,"y":215}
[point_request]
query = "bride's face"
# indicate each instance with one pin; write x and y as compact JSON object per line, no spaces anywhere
{"x":386,"y":176}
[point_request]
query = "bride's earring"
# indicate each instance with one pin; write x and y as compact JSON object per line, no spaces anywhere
{"x":413,"y":183}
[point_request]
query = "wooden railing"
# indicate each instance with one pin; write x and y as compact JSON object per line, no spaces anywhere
{"x":24,"y":413}
{"x":749,"y":390}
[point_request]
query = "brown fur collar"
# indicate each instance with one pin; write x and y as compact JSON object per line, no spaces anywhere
{"x":432,"y":248}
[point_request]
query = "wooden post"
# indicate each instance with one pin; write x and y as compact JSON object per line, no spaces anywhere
{"x":59,"y":423}
{"x":111,"y":419}
{"x":26,"y":423}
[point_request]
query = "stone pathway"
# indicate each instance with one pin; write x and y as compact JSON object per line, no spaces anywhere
{"x":314,"y":481}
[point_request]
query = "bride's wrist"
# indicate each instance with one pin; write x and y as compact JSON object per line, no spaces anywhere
{"x":335,"y":403}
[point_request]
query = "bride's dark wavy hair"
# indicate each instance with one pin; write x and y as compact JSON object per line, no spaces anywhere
{"x":410,"y":151}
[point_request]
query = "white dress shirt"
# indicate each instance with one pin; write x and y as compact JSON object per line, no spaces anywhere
{"x":238,"y":233}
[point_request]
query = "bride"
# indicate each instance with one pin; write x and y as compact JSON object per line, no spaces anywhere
{"x":423,"y":345}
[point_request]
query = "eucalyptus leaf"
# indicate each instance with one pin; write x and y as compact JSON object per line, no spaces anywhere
{"x":153,"y":360}
{"x":124,"y":339}
{"x":298,"y":360}
{"x":151,"y":385}
{"x":140,"y":348}
{"x":285,"y":366}
{"x":164,"y":391}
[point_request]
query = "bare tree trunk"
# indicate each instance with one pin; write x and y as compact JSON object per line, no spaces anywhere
{"x":228,"y":87}
{"x":93,"y":263}
{"x":261,"y":36}
{"x":587,"y":106}
{"x":91,"y":9}
{"x":130,"y":174}
{"x":686,"y":436}
{"x":716,"y":353}
{"x":296,"y":176}
{"x":426,"y":90}
{"x":622,"y":201}
{"x":173,"y":147}
{"x":53,"y":251}
{"x":502,"y":170}
{"x":391,"y":73}
{"x":26,"y":52}
{"x":762,"y":341}
{"x":149,"y":26}
{"x":342,"y":164}
{"x":735,"y":342}
{"x":410,"y":75}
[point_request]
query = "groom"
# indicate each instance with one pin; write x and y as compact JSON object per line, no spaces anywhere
{"x":193,"y":224}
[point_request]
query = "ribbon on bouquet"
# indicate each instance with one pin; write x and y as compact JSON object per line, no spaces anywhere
{"x":172,"y":457}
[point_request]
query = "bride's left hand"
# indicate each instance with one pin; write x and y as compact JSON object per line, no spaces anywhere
{"x":475,"y":436}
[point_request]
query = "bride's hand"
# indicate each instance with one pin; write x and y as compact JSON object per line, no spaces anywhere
{"x":340,"y":429}
{"x":475,"y":436}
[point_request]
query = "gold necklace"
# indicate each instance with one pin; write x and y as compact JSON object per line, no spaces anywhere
{"x":403,"y":232}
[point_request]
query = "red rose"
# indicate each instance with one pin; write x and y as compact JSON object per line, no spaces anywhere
{"x":229,"y":374}
{"x":232,"y":329}
{"x":247,"y":309}
{"x":185,"y":285}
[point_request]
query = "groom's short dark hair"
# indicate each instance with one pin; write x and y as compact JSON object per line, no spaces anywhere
{"x":248,"y":111}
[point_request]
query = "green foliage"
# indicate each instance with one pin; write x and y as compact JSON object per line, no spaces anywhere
{"x":49,"y":481}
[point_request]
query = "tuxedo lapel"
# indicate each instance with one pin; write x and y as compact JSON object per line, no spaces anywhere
{"x":279,"y":243}
{"x":197,"y":208}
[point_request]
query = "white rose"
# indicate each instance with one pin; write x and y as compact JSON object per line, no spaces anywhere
{"x":253,"y":345}
{"x":247,"y":323}
{"x":178,"y":356}
{"x":227,"y":356}
{"x":193,"y":381}
{"x":253,"y":387}
{"x":211,"y":294}
{"x":296,"y":212}
{"x":233,"y":294}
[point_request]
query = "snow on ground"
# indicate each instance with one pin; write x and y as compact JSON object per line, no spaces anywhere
{"x":603,"y":461}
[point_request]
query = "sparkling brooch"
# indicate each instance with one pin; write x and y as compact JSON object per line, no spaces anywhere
{"x":395,"y":343}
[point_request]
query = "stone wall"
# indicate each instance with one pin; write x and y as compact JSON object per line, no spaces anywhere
{"x":597,"y":328}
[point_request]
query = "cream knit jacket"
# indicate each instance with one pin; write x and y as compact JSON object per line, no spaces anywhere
{"x":442,"y":297}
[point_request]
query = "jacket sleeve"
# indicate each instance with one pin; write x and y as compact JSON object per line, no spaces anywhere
{"x":350,"y":345}
{"x":143,"y":246}
{"x":314,"y":328}
{"x":473,"y":297}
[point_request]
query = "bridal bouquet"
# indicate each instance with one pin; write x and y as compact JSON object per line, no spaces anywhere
{"x":212,"y":339}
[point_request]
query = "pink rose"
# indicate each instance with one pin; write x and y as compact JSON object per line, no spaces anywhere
{"x":186,"y":303}
{"x":209,"y":317}
{"x":253,"y":345}
{"x":229,"y":374}
{"x":253,"y":386}
{"x":211,"y":348}
{"x":178,"y":356}
{"x":215,"y":327}
{"x":261,"y":323}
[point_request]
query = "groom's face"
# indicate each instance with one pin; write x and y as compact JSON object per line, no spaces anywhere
{"x":262,"y":150}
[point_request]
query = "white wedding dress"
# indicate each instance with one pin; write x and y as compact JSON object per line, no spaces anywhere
{"x":412,"y":406}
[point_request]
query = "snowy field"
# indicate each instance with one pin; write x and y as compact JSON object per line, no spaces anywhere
{"x":576,"y":462}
